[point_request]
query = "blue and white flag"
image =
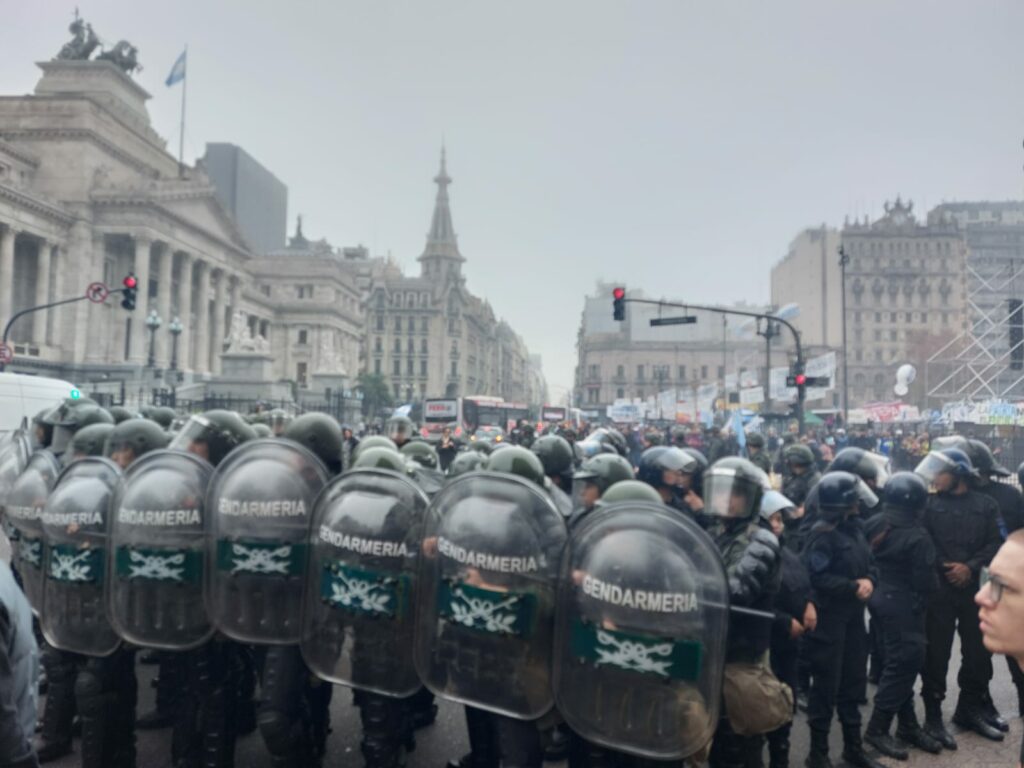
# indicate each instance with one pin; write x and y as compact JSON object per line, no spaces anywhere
{"x":737,"y":428}
{"x":178,"y":70}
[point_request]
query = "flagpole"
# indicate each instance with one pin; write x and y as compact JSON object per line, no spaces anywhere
{"x":181,"y":140}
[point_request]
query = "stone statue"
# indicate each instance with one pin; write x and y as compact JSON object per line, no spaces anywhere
{"x":123,"y":55}
{"x":83,"y":43}
{"x":328,"y":359}
{"x":241,"y":339}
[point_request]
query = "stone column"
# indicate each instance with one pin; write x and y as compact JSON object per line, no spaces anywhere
{"x":93,"y":329}
{"x":219,"y":306}
{"x":42,"y":292}
{"x":163,"y":306}
{"x":203,"y":318}
{"x":236,"y":294}
{"x":140,"y":340}
{"x":57,"y":292}
{"x":185,"y":312}
{"x":7,"y":237}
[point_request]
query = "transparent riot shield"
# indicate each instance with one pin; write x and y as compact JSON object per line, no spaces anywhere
{"x":157,"y":541}
{"x":358,"y":618}
{"x":641,"y":631}
{"x":24,"y":505}
{"x":488,"y":577}
{"x":259,"y":504}
{"x":74,"y":614}
{"x":14,"y":455}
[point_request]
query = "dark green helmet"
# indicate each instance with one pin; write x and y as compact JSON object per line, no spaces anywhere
{"x":481,"y":446}
{"x":140,"y":435}
{"x":400,"y":429}
{"x":630,"y":490}
{"x":320,"y":434}
{"x":90,"y":440}
{"x":516,"y":460}
{"x":163,"y":416}
{"x":219,"y":431}
{"x":755,"y":440}
{"x":554,"y":453}
{"x":467,"y":461}
{"x":604,"y":470}
{"x":420,"y":452}
{"x":261,"y":430}
{"x":373,"y":441}
{"x":380,"y":458}
{"x":146,"y":411}
{"x":120,"y":413}
{"x":798,"y":454}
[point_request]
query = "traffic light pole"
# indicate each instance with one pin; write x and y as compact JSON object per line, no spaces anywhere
{"x":800,"y":392}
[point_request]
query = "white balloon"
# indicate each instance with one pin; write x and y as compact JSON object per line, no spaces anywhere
{"x":906,"y":373}
{"x":901,"y":389}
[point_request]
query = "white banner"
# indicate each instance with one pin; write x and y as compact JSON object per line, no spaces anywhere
{"x":625,"y":413}
{"x":823,"y":365}
{"x":777,"y":386}
{"x":748,"y":379}
{"x":751,"y":395}
{"x":731,"y":382}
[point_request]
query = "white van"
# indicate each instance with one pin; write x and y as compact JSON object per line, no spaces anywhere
{"x":22,"y":397}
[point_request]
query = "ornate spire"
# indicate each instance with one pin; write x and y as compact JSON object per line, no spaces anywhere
{"x":441,"y":241}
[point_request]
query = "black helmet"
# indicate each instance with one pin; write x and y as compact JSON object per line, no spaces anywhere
{"x":163,"y":416}
{"x":840,"y":493}
{"x":611,"y":438}
{"x":380,"y":457}
{"x":857,"y":461}
{"x":951,"y":460}
{"x":755,"y":440}
{"x":1020,"y":474}
{"x":700,"y":458}
{"x":320,"y":434}
{"x":516,"y":460}
{"x":219,"y":431}
{"x":733,"y":489}
{"x":140,"y":435}
{"x":400,"y":429}
{"x":420,"y":452}
{"x":983,"y":460}
{"x":798,"y":454}
{"x":604,"y":470}
{"x":554,"y":453}
{"x":629,"y":490}
{"x":654,"y":462}
{"x":119,"y":413}
{"x":89,"y":441}
{"x":467,"y":461}
{"x":906,"y":491}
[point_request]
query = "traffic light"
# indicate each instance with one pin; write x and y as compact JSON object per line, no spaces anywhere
{"x":619,"y":303}
{"x":128,"y":292}
{"x":796,"y":377}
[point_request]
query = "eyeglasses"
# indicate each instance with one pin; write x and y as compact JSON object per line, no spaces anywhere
{"x":995,"y":584}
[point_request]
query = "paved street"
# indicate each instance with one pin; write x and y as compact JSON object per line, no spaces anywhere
{"x":446,"y":738}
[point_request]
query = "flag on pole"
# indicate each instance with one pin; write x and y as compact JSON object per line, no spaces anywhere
{"x":178,"y":70}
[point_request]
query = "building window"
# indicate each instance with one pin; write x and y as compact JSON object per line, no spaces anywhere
{"x":303,"y":337}
{"x":380,"y":300}
{"x":376,"y":366}
{"x":721,"y":372}
{"x":398,"y":346}
{"x":878,"y":317}
{"x":593,"y":371}
{"x":453,"y":325}
{"x":377,"y":345}
{"x":924,"y":317}
{"x":423,"y":325}
{"x":396,"y":367}
{"x":300,"y":374}
{"x":620,"y":372}
{"x":592,"y":395}
{"x":455,"y":368}
{"x":704,"y":372}
{"x":910,"y":317}
{"x":423,"y":346}
{"x":410,"y":367}
{"x":640,"y":373}
{"x":878,"y":335}
{"x":423,"y":367}
{"x":398,"y":325}
{"x":304,"y":291}
{"x":681,"y":373}
{"x":380,"y":322}
{"x":412,"y":325}
{"x":410,"y":346}
{"x":265,"y":290}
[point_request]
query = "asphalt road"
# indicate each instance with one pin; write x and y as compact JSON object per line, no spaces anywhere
{"x":446,"y":738}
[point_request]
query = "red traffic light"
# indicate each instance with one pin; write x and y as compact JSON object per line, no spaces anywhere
{"x":618,"y":293}
{"x":130,"y":281}
{"x":801,"y":379}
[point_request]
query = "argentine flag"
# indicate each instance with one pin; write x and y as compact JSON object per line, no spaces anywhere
{"x":178,"y":70}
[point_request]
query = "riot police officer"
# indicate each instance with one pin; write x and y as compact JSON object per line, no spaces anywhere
{"x":757,"y":454}
{"x":905,"y":558}
{"x":400,"y":429}
{"x":963,"y":524}
{"x":665,"y":468}
{"x":800,"y":475}
{"x":594,"y":477}
{"x":556,"y":455}
{"x":843,"y":578}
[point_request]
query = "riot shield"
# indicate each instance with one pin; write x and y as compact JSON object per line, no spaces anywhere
{"x":358,"y":618}
{"x":259,"y":503}
{"x":74,"y":615}
{"x":14,"y":455}
{"x":157,"y":542}
{"x":486,"y":597}
{"x":641,"y":631}
{"x":24,"y":505}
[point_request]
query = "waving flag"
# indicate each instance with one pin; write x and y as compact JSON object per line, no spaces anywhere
{"x":178,"y":70}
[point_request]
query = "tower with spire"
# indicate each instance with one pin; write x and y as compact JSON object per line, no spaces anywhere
{"x":441,"y":257}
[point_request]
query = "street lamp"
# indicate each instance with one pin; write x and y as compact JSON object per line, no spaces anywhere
{"x":175,"y":328}
{"x":844,"y":259}
{"x":153,"y":322}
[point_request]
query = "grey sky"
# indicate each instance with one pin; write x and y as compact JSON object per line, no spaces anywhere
{"x":677,"y":146}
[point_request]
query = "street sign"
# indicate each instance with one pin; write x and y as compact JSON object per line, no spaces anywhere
{"x":97,"y":293}
{"x":6,"y":353}
{"x":681,"y":320}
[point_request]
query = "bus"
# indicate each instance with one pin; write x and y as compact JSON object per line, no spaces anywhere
{"x":464,"y":415}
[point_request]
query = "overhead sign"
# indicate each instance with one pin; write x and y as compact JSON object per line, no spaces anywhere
{"x":440,"y":409}
{"x":625,"y":413}
{"x":550,"y":413}
{"x":97,"y":293}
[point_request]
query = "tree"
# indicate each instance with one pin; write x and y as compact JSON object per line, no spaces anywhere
{"x":376,"y":393}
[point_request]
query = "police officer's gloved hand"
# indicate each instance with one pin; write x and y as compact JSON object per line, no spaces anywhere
{"x":749,"y":579}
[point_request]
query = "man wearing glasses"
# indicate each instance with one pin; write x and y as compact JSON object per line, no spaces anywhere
{"x":1001,"y":605}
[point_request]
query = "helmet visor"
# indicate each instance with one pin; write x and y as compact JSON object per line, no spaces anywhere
{"x":881,"y":465}
{"x":196,"y":430}
{"x":933,"y":465}
{"x":729,"y":495}
{"x":866,"y":498}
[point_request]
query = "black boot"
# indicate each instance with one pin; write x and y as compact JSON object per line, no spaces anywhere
{"x":909,"y":731}
{"x":933,"y":724}
{"x":878,"y":736}
{"x":483,"y":741}
{"x":970,"y":716}
{"x":556,"y":744}
{"x":60,"y":705}
{"x":991,"y":714}
{"x":853,"y":749}
{"x":818,"y":756}
{"x":778,"y":747}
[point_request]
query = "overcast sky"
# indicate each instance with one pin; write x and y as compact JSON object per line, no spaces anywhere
{"x":675,"y":146}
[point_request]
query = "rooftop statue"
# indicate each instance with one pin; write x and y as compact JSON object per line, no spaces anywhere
{"x":123,"y":55}
{"x":83,"y":43}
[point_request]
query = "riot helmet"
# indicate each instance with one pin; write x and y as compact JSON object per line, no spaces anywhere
{"x":131,"y":439}
{"x":119,"y":413}
{"x":867,"y":466}
{"x":42,"y":430}
{"x":420,"y":452}
{"x":261,"y":430}
{"x":212,"y":435}
{"x":400,"y":429}
{"x":90,"y":440}
{"x":906,"y":491}
{"x":163,"y":416}
{"x":70,"y":416}
{"x":604,"y":470}
{"x":664,"y":466}
{"x":984,"y":461}
{"x":555,"y":454}
{"x":467,"y":461}
{"x":949,"y":461}
{"x":373,"y":441}
{"x":482,"y":447}
{"x":380,"y":457}
{"x":516,"y":460}
{"x":630,"y":490}
{"x":696,"y":482}
{"x":320,"y":434}
{"x":840,"y":495}
{"x":949,"y":441}
{"x":798,"y":455}
{"x":755,"y":440}
{"x":733,"y":489}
